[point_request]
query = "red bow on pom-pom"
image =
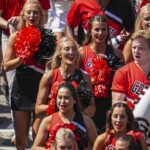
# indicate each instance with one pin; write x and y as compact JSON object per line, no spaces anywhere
{"x":27,"y":44}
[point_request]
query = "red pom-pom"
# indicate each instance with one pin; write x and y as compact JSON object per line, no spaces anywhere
{"x":101,"y":76}
{"x":27,"y":44}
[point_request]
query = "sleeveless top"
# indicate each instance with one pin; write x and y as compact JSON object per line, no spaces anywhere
{"x":56,"y":77}
{"x":89,"y":55}
{"x":77,"y":121}
{"x":99,"y":70}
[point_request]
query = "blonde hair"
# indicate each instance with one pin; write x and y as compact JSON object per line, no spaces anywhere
{"x":141,"y":34}
{"x":64,"y":134}
{"x":22,"y":22}
{"x":55,"y":61}
{"x":140,"y":17}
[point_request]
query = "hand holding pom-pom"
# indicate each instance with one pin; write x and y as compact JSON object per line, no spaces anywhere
{"x":27,"y":44}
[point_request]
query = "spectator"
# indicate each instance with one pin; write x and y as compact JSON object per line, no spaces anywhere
{"x":142,"y":23}
{"x":57,"y":16}
{"x":126,"y":80}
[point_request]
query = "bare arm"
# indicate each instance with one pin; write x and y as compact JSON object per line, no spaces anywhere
{"x":99,"y":143}
{"x":116,"y":97}
{"x":10,"y":24}
{"x":91,"y":130}
{"x":69,"y":32}
{"x":40,"y":140}
{"x":41,"y":105}
{"x":127,"y":52}
{"x":89,"y":110}
{"x":10,"y":59}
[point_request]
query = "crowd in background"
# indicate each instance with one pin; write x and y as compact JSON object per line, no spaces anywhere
{"x":78,"y":70}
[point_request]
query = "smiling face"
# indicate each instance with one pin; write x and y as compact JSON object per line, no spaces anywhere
{"x":32,"y":15}
{"x":65,"y":100}
{"x":146,"y":21}
{"x":99,"y":31}
{"x":140,"y":51}
{"x":69,"y":53}
{"x":119,"y":120}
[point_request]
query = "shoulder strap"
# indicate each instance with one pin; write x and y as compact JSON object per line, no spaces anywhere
{"x":79,"y":119}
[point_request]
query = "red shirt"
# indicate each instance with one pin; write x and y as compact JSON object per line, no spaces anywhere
{"x":12,"y":8}
{"x":84,"y":8}
{"x":130,"y":80}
